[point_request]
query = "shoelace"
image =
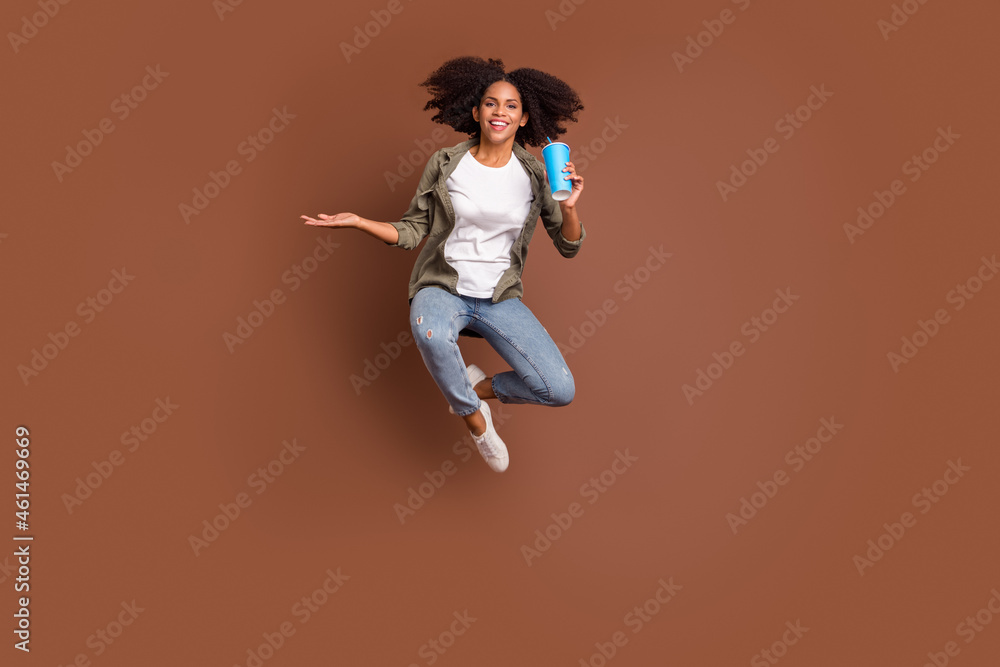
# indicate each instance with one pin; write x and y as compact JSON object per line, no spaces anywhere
{"x":486,"y":447}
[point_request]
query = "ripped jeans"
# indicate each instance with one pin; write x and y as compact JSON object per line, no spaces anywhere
{"x":540,"y":374}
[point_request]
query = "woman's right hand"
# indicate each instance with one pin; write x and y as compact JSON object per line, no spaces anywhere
{"x":339,"y":220}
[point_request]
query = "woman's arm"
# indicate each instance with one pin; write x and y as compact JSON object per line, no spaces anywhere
{"x":571,"y":222}
{"x":383,"y":231}
{"x":406,"y":233}
{"x":562,"y":222}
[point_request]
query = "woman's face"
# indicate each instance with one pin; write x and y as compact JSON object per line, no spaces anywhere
{"x":501,"y":104}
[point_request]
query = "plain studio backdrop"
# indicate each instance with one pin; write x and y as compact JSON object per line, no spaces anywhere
{"x":781,"y":326}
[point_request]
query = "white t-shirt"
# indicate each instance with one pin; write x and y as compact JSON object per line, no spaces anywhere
{"x":491,"y":204}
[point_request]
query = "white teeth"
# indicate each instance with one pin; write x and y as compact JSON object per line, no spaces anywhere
{"x":498,"y":124}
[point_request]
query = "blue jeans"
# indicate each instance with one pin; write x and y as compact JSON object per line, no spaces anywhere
{"x":540,"y":374}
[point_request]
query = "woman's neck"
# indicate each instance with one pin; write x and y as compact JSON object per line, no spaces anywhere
{"x":493,"y":154}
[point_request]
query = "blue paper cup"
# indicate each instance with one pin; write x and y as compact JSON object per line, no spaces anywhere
{"x":556,"y":155}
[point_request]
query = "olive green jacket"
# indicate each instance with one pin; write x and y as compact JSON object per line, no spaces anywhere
{"x":431,"y":215}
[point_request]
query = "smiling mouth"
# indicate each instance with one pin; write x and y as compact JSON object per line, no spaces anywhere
{"x":501,"y":126}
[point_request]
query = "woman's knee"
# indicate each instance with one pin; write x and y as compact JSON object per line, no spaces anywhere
{"x":562,"y":391}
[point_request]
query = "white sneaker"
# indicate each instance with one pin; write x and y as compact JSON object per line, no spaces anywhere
{"x":476,"y":375}
{"x":489,"y":443}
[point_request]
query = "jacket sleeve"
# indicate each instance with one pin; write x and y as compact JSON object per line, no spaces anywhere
{"x":552,"y":219}
{"x":415,"y":224}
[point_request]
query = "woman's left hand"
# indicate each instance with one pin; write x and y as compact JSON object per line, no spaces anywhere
{"x":577,"y":185}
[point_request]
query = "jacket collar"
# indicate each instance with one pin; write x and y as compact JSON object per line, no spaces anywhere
{"x":454,"y":154}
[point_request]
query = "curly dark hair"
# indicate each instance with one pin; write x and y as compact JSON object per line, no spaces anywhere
{"x":459,"y":84}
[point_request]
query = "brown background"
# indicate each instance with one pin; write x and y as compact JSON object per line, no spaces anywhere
{"x":654,"y":185}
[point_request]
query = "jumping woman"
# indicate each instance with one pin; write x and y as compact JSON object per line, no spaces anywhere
{"x":477,"y":203}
